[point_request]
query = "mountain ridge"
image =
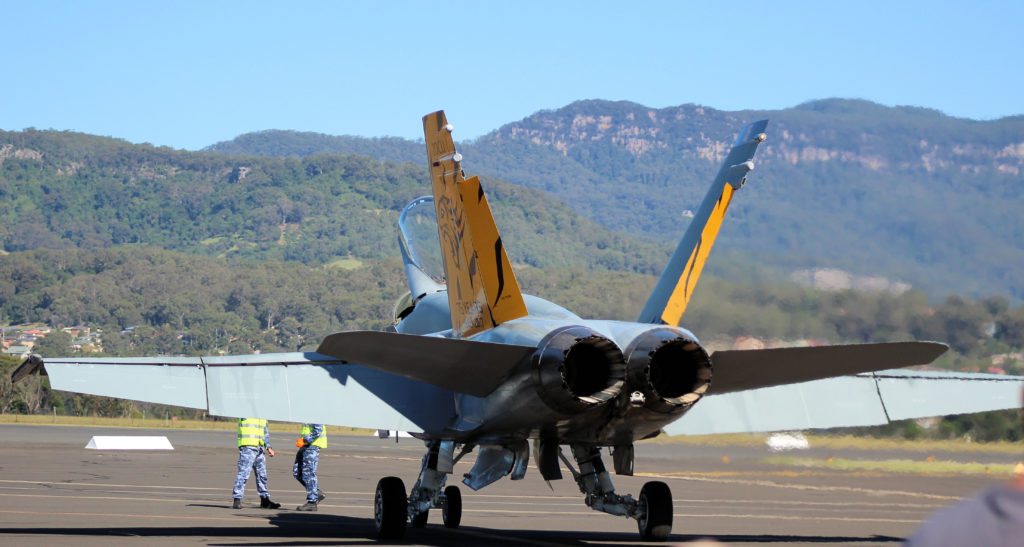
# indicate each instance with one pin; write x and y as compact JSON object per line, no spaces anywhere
{"x":905,"y":192}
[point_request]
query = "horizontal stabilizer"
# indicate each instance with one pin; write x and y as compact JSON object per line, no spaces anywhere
{"x":437,"y":361}
{"x":873,"y":398}
{"x":737,"y":370}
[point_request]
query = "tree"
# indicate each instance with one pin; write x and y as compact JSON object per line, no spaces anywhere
{"x":56,"y":344}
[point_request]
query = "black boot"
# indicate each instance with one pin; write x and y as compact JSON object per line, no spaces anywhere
{"x":237,"y":504}
{"x":266,"y":503}
{"x":310,"y":506}
{"x":320,"y":495}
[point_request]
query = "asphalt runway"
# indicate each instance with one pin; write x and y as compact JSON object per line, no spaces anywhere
{"x":53,"y":491}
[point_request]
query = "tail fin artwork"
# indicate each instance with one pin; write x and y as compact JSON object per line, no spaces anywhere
{"x":672,"y":293}
{"x":482,"y":288}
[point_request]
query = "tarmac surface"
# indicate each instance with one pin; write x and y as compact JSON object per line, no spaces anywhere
{"x":53,"y":491}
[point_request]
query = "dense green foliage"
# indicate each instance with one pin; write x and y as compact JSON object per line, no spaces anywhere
{"x":303,"y":143}
{"x":902,"y":192}
{"x":148,"y":300}
{"x":173,"y":303}
{"x":61,"y":190}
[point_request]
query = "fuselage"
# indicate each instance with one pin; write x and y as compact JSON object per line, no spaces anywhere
{"x":594,"y":381}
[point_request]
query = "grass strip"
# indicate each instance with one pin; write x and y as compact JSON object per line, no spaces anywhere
{"x":849,"y":442}
{"x":159,"y":423}
{"x":929,"y":466}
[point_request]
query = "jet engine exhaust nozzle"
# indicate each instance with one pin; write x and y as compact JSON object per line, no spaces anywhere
{"x":575,"y":369}
{"x":671,"y":371}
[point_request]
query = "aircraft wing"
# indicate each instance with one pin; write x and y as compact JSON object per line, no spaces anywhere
{"x":375,"y":380}
{"x":848,"y":401}
{"x":294,"y":387}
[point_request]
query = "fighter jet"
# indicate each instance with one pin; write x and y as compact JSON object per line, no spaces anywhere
{"x":473,"y":364}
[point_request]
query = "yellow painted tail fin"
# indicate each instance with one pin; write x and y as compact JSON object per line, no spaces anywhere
{"x":672,"y":293}
{"x":482,"y":288}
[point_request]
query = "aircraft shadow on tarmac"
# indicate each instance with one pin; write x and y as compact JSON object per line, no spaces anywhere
{"x":293,"y":529}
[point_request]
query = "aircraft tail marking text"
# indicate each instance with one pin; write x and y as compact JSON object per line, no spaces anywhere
{"x":482,"y":288}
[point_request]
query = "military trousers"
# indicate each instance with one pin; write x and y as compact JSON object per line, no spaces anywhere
{"x":304,"y":470}
{"x":251,"y":458}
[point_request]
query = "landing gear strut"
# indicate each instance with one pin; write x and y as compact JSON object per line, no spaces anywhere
{"x":392,"y":509}
{"x":653,"y":511}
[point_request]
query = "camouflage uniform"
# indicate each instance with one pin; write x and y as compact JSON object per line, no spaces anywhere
{"x":306,"y":459}
{"x":251,"y":456}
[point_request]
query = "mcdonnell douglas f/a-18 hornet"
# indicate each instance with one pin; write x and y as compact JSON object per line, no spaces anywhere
{"x":471,"y":363}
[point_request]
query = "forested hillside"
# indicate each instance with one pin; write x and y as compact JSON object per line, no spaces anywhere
{"x":152,"y":301}
{"x":906,"y":193}
{"x":62,"y":190}
{"x":276,"y":142}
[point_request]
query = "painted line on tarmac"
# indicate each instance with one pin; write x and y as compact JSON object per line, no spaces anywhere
{"x":166,"y":500}
{"x":704,"y":515}
{"x":756,"y":473}
{"x":325,"y":505}
{"x":114,"y":498}
{"x":65,"y":484}
{"x":363,"y":457}
{"x":336,"y":492}
{"x":796,"y":517}
{"x":130,"y":515}
{"x":869,"y":491}
{"x":838,"y":504}
{"x":336,"y":506}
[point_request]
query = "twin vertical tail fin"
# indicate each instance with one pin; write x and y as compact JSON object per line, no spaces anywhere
{"x":672,"y":293}
{"x":482,"y":288}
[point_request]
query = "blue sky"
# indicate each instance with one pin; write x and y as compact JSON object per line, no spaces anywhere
{"x":188,"y":74}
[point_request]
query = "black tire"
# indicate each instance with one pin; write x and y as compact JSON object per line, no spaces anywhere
{"x":420,"y":520}
{"x":656,"y":522}
{"x":451,"y":511}
{"x":389,"y":508}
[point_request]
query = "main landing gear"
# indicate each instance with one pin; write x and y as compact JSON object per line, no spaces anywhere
{"x":392,"y":508}
{"x":653,"y":511}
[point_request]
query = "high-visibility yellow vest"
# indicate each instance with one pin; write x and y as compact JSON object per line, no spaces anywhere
{"x":320,"y":441}
{"x":250,"y":431}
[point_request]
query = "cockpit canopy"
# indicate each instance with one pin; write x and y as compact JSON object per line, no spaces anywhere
{"x":417,"y":228}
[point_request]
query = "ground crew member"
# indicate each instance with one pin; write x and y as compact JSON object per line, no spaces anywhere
{"x":253,"y":440}
{"x":312,"y":440}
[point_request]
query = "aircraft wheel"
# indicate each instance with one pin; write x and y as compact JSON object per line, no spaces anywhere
{"x":389,"y":508}
{"x":655,"y":523}
{"x":420,"y":520}
{"x":451,"y":511}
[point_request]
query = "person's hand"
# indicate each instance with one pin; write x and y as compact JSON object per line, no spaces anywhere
{"x":300,"y":442}
{"x":270,"y":452}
